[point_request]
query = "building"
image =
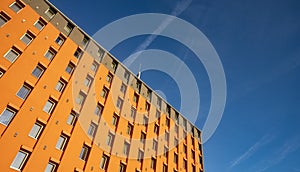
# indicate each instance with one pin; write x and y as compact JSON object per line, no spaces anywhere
{"x":68,"y":105}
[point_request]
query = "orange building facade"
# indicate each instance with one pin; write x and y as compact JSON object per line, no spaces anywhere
{"x":68,"y":105}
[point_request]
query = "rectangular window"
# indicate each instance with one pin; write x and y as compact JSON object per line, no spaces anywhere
{"x":60,"y":39}
{"x":68,"y":28}
{"x":115,"y":120}
{"x":92,"y":129}
{"x":104,"y":162}
{"x":153,"y":163}
{"x":122,"y":167}
{"x":126,"y":148}
{"x":140,"y":156}
{"x":84,"y":153}
{"x":185,"y":149}
{"x":70,"y":68}
{"x":175,"y":158}
{"x":40,"y":24}
{"x":157,"y":114}
{"x":99,"y":55}
{"x":193,"y":155}
{"x":126,"y":76}
{"x":167,"y":122}
{"x":61,"y":84}
{"x":6,"y":116}
{"x":71,"y":119}
{"x":50,"y":12}
{"x":17,"y":6}
{"x":109,"y":139}
{"x":2,"y":71}
{"x":94,"y":66}
{"x":61,"y":142}
{"x":143,"y":137}
{"x":129,"y":129}
{"x":166,"y":151}
{"x":147,"y":106}
{"x":165,"y":168}
{"x":119,"y":103}
{"x":50,"y":54}
{"x":12,"y":54}
{"x":20,"y":160}
{"x":114,"y":65}
{"x":132,"y":112}
{"x":49,"y":106}
{"x":123,"y":88}
{"x":38,"y":71}
{"x":135,"y":98}
{"x":36,"y":130}
{"x":156,"y":129}
{"x":109,"y":78}
{"x":104,"y":92}
{"x":80,"y":98}
{"x":24,"y":91}
{"x":184,"y":164}
{"x":88,"y":81}
{"x":158,"y":102}
{"x":145,"y":120}
{"x":27,"y":38}
{"x":4,"y":18}
{"x":175,"y":142}
{"x":78,"y":53}
{"x":167,"y":135}
{"x":51,"y":167}
{"x":154,"y":145}
{"x":98,"y":110}
{"x":85,"y":41}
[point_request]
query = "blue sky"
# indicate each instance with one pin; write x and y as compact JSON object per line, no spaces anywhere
{"x":258,"y":43}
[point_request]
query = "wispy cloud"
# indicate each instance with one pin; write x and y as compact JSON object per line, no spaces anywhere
{"x":260,"y":143}
{"x":180,"y":7}
{"x":283,"y":152}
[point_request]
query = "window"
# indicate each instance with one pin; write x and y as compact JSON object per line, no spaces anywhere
{"x":114,"y":65}
{"x":140,"y":156}
{"x":50,"y":54}
{"x":17,"y":6}
{"x":109,"y":139}
{"x":138,"y":85}
{"x":84,"y":153}
{"x":123,"y":88}
{"x":104,"y":162}
{"x":78,"y":53}
{"x":185,"y":149}
{"x":12,"y":54}
{"x":175,"y":142}
{"x":126,"y":76}
{"x":126,"y":148}
{"x":40,"y":24}
{"x":6,"y":116}
{"x":94,"y":66}
{"x":132,"y":112}
{"x":129,"y":129}
{"x":92,"y":129}
{"x":165,"y":168}
{"x":158,"y":102}
{"x":167,"y":135}
{"x":149,"y":93}
{"x":147,"y":106}
{"x":135,"y":98}
{"x":51,"y":167}
{"x":88,"y":81}
{"x":36,"y":130}
{"x":60,"y":85}
{"x":156,"y":129}
{"x":70,"y":68}
{"x":61,"y":142}
{"x":167,"y":122}
{"x":49,"y":106}
{"x":104,"y":92}
{"x":122,"y":167}
{"x":109,"y":78}
{"x":153,"y":163}
{"x":38,"y":71}
{"x":60,"y":39}
{"x":4,"y":18}
{"x":27,"y":38}
{"x":143,"y":137}
{"x":85,"y":40}
{"x":154,"y":145}
{"x":166,"y":152}
{"x":80,"y":98}
{"x":184,"y":164}
{"x":2,"y":71}
{"x":50,"y":12}
{"x":71,"y":119}
{"x":24,"y":92}
{"x":98,"y":110}
{"x":99,"y":55}
{"x":119,"y":103}
{"x":115,"y":120}
{"x":175,"y":158}
{"x":68,"y":28}
{"x":20,"y":160}
{"x":193,"y":155}
{"x":145,"y":120}
{"x":157,"y":114}
{"x":176,"y":129}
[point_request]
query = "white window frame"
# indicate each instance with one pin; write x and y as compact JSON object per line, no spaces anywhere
{"x":52,"y":167}
{"x":60,"y":86}
{"x":21,"y":164}
{"x":84,"y":152}
{"x":12,"y":114}
{"x":28,"y":36}
{"x":50,"y":13}
{"x":50,"y":110}
{"x":36,"y":133}
{"x":4,"y":17}
{"x":15,"y":52}
{"x":92,"y":129}
{"x":70,"y":66}
{"x":104,"y":162}
{"x":40,"y":68}
{"x":73,"y":117}
{"x":18,"y":4}
{"x":61,"y":142}
{"x":40,"y":24}
{"x":23,"y":88}
{"x":50,"y":52}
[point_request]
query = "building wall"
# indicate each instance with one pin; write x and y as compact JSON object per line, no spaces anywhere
{"x":81,"y":94}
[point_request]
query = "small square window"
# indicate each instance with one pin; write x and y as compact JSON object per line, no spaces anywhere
{"x":49,"y":106}
{"x":71,"y":119}
{"x":60,"y":86}
{"x":20,"y":160}
{"x":94,"y":66}
{"x":24,"y":91}
{"x":6,"y":116}
{"x":70,"y":68}
{"x":4,"y":18}
{"x":38,"y":71}
{"x":36,"y":130}
{"x":68,"y":28}
{"x":80,"y":98}
{"x":61,"y":142}
{"x":51,"y":167}
{"x":50,"y":12}
{"x":84,"y":152}
{"x":17,"y":6}
{"x":104,"y":162}
{"x":50,"y":54}
{"x":40,"y":24}
{"x":12,"y":54}
{"x":78,"y":53}
{"x":27,"y":38}
{"x":60,"y":39}
{"x":92,"y":129}
{"x":88,"y":81}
